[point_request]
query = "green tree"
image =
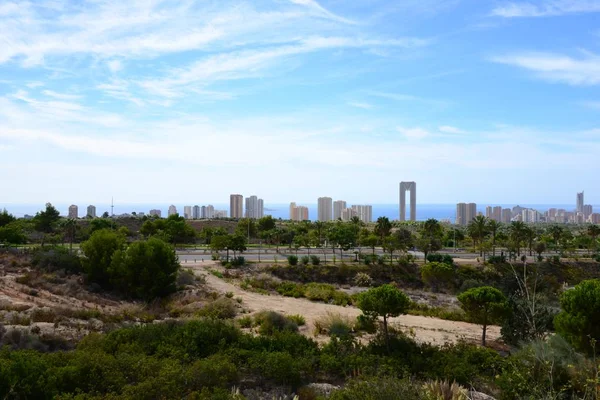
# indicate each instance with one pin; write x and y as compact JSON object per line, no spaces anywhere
{"x":101,"y":223}
{"x":556,"y":232}
{"x":246,"y":227}
{"x":69,"y":225}
{"x":493,"y":227}
{"x":436,"y":274}
{"x":383,"y":227}
{"x":593,"y":231}
{"x":430,"y":240}
{"x":46,"y":221}
{"x":478,"y":230}
{"x":221,"y":242}
{"x":401,"y":240}
{"x":237,"y":243}
{"x":266,"y":223}
{"x":370,"y":240}
{"x":517,"y":234}
{"x":384,"y":301}
{"x":99,"y":250}
{"x":145,"y":269}
{"x":6,"y":218}
{"x":12,"y":233}
{"x":343,"y":235}
{"x":483,"y":305}
{"x":578,"y":320}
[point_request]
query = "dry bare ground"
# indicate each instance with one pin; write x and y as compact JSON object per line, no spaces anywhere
{"x":425,"y":329}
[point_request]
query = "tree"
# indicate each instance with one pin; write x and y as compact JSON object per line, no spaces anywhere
{"x":102,"y":223}
{"x":46,"y":221}
{"x":343,"y":235}
{"x":12,"y":233}
{"x":435,"y":274}
{"x":431,"y":237}
{"x":517,"y":234}
{"x":246,"y":227}
{"x":370,"y":240}
{"x":493,"y":228}
{"x":383,"y":227}
{"x":145,"y":270}
{"x":221,"y":242}
{"x":478,"y":230}
{"x":556,"y":232}
{"x":237,"y":243}
{"x":578,"y":320}
{"x":384,"y":301}
{"x":99,"y":250}
{"x":483,"y":305}
{"x":427,"y":245}
{"x":6,"y":218}
{"x":400,"y":240}
{"x":266,"y":223}
{"x":593,"y":232}
{"x":539,"y":248}
{"x":69,"y":225}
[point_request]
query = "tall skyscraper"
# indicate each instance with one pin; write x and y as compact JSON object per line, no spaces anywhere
{"x":298,"y":213}
{"x":325,"y":209}
{"x":465,"y":213}
{"x":363,"y":212}
{"x":187,"y":212}
{"x":73,"y":211}
{"x":489,"y":212}
{"x":155,"y":213}
{"x":292,"y":210}
{"x":196,"y":212}
{"x":203,"y":212}
{"x":412,"y":188}
{"x":347,"y":214}
{"x":254,"y":207}
{"x":461,"y":214}
{"x":587,"y":210}
{"x":210,"y":211}
{"x":506,"y":215}
{"x":471,"y":212}
{"x":338,"y":206}
{"x":236,"y":206}
{"x":220,"y":214}
{"x":172,"y":210}
{"x":91,"y":211}
{"x":497,"y":214}
{"x":580,"y":202}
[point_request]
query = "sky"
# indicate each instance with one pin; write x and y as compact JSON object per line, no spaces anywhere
{"x":187,"y":101}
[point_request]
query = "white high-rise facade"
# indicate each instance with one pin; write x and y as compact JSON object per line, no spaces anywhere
{"x":196,"y":212}
{"x":338,"y":206}
{"x":363,"y":212}
{"x":236,"y":206}
{"x":465,"y":213}
{"x":580,"y":202}
{"x":254,"y":207}
{"x":172,"y":210}
{"x":298,"y":213}
{"x":155,"y":213}
{"x":91,"y":211}
{"x":187,"y":212}
{"x":210,"y":212}
{"x":73,"y":211}
{"x":325,"y":209}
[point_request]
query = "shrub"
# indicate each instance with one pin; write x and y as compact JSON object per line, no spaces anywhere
{"x":470,"y":284}
{"x":297,"y":319}
{"x":315,"y":260}
{"x":214,"y":371}
{"x":341,"y":299}
{"x":334,"y":324}
{"x":496,"y":260}
{"x":366,"y":323}
{"x":436,"y":274}
{"x":270,"y":322}
{"x":440,"y":258}
{"x":185,"y":278}
{"x":246,"y":322}
{"x":445,"y":390}
{"x":56,"y":258}
{"x":43,"y":315}
{"x":290,"y":289}
{"x":293,"y":260}
{"x":380,"y":388}
{"x":305,"y":260}
{"x":319,"y":291}
{"x":221,"y":308}
{"x":238,"y":261}
{"x":363,"y":280}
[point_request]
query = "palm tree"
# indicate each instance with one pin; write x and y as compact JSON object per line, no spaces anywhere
{"x":320,"y":226}
{"x":69,"y":226}
{"x":478,"y":230}
{"x":556,"y":231}
{"x":516,"y":232}
{"x":383,"y":227}
{"x":593,"y":231}
{"x":493,"y":228}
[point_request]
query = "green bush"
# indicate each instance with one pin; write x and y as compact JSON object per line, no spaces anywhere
{"x":293,"y":260}
{"x":319,"y":292}
{"x":214,"y":371}
{"x":290,"y":289}
{"x":270,"y":322}
{"x":315,"y":260}
{"x":436,"y":274}
{"x":221,"y":308}
{"x":297,"y":319}
{"x":380,"y":388}
{"x":305,"y":260}
{"x":56,"y":258}
{"x":238,"y":261}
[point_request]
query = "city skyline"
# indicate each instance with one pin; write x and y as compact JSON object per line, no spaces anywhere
{"x":439,"y":92}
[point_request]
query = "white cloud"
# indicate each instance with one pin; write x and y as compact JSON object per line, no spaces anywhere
{"x":557,"y":67}
{"x":61,"y":96}
{"x":364,"y":106}
{"x":115,"y":65}
{"x":546,"y":8}
{"x":320,"y":10}
{"x":413,"y":133}
{"x":450,"y":129}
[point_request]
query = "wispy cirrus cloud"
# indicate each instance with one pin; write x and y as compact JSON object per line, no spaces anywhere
{"x":320,"y":10}
{"x":546,"y":8}
{"x":359,"y":104}
{"x":557,"y":67}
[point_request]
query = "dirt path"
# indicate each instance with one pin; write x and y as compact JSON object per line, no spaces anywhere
{"x":425,"y":329}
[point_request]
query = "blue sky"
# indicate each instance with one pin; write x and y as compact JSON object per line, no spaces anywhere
{"x":164,"y":101}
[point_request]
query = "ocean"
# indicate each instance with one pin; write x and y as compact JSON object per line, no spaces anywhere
{"x":424,"y":211}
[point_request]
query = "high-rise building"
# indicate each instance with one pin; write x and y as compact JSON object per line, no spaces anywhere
{"x":412,"y":188}
{"x":506,"y":215}
{"x":91,"y":211}
{"x":338,"y":206}
{"x":236,"y":206}
{"x":187,"y":212}
{"x":497,"y":214}
{"x":347,"y":214}
{"x":471,"y":212}
{"x":172,"y":210}
{"x":489,"y":212}
{"x":363,"y":212}
{"x":325,"y":209}
{"x":587,"y":210}
{"x":220,"y":214}
{"x":73,"y":211}
{"x":461,"y":214}
{"x":155,"y":213}
{"x":298,"y":213}
{"x":203,"y":212}
{"x":594,"y":218}
{"x":196,"y":212}
{"x":580,"y":202}
{"x":210,"y":212}
{"x":254,"y":207}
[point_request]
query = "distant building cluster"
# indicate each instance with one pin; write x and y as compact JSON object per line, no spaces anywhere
{"x":583,"y":213}
{"x":298,"y":213}
{"x":329,"y":210}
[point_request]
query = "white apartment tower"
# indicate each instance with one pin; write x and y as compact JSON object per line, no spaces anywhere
{"x":73,"y":211}
{"x":236,"y":206}
{"x":580,"y":202}
{"x":363,"y":212}
{"x":324,"y":209}
{"x":187,"y":212}
{"x":338,"y":206}
{"x":254,"y":207}
{"x":172,"y":210}
{"x":91,"y":211}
